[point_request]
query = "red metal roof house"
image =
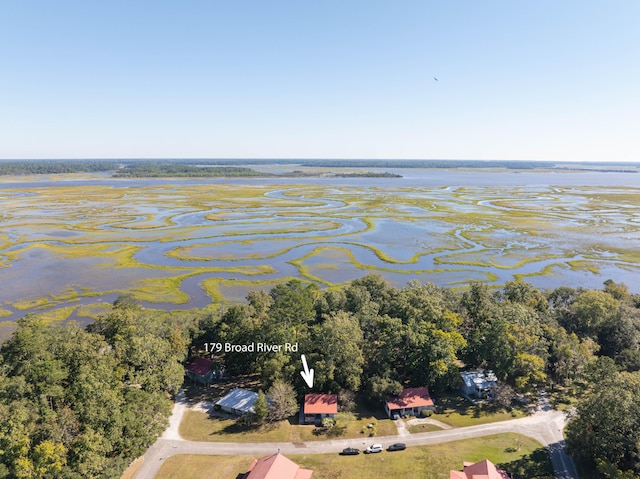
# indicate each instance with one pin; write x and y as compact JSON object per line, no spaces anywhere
{"x":479,"y":470}
{"x":411,"y":401}
{"x":201,"y":370}
{"x":276,"y":467}
{"x":318,"y":406}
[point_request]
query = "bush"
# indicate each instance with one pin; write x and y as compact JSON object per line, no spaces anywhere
{"x":328,"y":422}
{"x":426,"y":413}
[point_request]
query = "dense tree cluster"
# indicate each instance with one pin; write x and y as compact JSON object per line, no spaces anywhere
{"x":371,"y":337}
{"x":369,"y":174}
{"x":219,"y":167}
{"x":81,"y":403}
{"x":606,"y":431}
{"x":49,"y":167}
{"x":376,"y":339}
{"x":153,"y":169}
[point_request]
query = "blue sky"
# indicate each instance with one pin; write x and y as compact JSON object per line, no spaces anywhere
{"x":538,"y":80}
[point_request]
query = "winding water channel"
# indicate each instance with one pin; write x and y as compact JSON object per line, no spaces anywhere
{"x":70,"y":244}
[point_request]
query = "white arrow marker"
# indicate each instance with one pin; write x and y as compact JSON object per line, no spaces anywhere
{"x":307,"y":374}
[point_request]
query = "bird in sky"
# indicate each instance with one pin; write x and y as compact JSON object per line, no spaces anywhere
{"x":435,"y":78}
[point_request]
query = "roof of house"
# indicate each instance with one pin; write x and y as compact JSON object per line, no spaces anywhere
{"x":479,"y":470}
{"x":200,"y":366}
{"x":411,"y":397}
{"x":320,"y":404}
{"x":238,"y":399}
{"x":478,"y":377}
{"x":276,"y":467}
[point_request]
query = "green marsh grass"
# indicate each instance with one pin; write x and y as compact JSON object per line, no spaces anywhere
{"x":160,"y":290}
{"x":583,"y":265}
{"x":57,"y":315}
{"x":29,"y":304}
{"x":94,"y":311}
{"x":107,"y":226}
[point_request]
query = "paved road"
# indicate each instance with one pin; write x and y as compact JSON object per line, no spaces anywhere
{"x":545,"y":426}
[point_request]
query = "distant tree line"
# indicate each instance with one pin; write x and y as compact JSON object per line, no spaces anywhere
{"x":158,"y":170}
{"x":206,"y":167}
{"x":391,"y":163}
{"x":369,"y":174}
{"x":49,"y":167}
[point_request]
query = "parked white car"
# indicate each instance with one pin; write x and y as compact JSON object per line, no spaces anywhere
{"x":373,"y":448}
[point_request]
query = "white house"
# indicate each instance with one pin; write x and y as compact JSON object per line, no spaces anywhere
{"x":478,"y":383}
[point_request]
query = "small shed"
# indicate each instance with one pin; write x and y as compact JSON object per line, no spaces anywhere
{"x":238,"y":402}
{"x":411,"y":401}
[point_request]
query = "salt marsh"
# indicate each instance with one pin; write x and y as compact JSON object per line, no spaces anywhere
{"x":71,"y":246}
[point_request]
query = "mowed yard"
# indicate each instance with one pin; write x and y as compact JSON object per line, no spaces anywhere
{"x":200,"y":426}
{"x":454,"y":411}
{"x":521,"y":456}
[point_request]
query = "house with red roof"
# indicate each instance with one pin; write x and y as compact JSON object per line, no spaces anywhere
{"x":411,"y":402}
{"x":201,"y":370}
{"x":318,"y":406}
{"x":276,"y":467}
{"x":479,"y":470}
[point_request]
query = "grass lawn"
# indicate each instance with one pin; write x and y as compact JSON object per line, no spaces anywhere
{"x":356,"y":428}
{"x":424,"y":462}
{"x":416,"y":428}
{"x":456,"y":411}
{"x":199,"y":426}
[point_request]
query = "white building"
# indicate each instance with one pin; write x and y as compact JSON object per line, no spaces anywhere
{"x":238,"y":402}
{"x":479,"y":383}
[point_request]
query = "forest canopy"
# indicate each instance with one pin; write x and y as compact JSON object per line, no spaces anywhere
{"x":373,"y":339}
{"x":83,"y":402}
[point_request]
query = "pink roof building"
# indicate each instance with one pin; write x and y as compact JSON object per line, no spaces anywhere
{"x":276,"y":467}
{"x":410,"y":401}
{"x":479,"y":470}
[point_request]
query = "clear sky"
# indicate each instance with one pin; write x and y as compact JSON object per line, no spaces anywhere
{"x":531,"y":80}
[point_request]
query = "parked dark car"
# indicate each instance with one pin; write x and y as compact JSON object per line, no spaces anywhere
{"x":399,"y":446}
{"x":350,"y":451}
